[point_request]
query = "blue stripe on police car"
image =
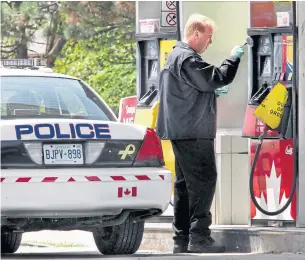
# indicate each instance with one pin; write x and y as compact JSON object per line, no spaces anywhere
{"x":98,"y":131}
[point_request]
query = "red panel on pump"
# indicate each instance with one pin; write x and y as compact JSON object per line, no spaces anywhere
{"x":273,"y":178}
{"x":263,"y":14}
{"x":253,"y":127}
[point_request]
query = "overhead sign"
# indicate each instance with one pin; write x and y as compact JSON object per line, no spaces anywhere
{"x":168,"y":14}
{"x":168,"y":19}
{"x":168,"y":6}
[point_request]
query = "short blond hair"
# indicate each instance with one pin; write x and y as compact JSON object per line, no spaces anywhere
{"x":197,"y":22}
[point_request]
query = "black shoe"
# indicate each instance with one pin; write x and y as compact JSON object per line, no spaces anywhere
{"x":207,"y":245}
{"x":180,"y":249}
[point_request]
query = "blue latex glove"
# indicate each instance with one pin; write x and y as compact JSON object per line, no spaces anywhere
{"x":237,"y":51}
{"x":223,"y":91}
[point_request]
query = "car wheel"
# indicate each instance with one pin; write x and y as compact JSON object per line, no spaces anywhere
{"x":10,"y":242}
{"x":122,"y":239}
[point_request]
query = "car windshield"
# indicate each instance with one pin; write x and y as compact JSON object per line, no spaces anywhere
{"x":50,"y":97}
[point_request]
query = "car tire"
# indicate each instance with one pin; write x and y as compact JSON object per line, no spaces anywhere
{"x":124,"y":239}
{"x":10,"y":242}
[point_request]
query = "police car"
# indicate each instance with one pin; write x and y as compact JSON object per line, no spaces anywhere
{"x":67,"y":163}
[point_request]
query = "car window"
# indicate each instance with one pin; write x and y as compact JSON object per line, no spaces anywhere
{"x":48,"y":97}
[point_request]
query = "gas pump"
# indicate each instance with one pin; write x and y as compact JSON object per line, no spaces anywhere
{"x":273,"y":176}
{"x":153,"y":49}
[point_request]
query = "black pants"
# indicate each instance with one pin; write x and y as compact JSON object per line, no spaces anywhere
{"x":195,"y":185}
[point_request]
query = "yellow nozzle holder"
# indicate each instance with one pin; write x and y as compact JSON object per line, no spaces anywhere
{"x":147,"y":116}
{"x":154,"y":110}
{"x":271,"y":110}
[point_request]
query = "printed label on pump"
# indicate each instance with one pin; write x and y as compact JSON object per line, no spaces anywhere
{"x":271,"y":110}
{"x":289,"y":58}
{"x":166,"y":47}
{"x":127,"y":109}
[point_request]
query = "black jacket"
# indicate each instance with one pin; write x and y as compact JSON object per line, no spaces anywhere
{"x":187,"y":96}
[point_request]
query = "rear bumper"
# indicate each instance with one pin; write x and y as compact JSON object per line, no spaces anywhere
{"x":75,"y":192}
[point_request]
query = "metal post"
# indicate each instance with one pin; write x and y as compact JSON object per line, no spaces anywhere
{"x":178,"y":21}
{"x":301,"y":113}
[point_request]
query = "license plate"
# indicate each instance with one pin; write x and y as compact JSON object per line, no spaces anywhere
{"x":63,"y":154}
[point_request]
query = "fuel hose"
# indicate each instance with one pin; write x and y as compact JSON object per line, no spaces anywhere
{"x":293,"y":187}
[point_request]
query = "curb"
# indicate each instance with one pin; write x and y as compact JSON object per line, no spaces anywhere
{"x":236,"y":239}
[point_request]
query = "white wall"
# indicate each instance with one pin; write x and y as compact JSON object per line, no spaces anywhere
{"x":232,"y":22}
{"x":231,"y":204}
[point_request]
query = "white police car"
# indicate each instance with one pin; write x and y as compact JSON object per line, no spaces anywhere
{"x":66,"y":164}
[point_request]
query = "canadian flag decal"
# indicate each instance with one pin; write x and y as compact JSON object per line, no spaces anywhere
{"x":127,"y":192}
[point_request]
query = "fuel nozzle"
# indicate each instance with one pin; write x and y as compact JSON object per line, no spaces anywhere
{"x":248,"y":41}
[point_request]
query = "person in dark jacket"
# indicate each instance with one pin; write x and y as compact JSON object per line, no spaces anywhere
{"x":187,"y":117}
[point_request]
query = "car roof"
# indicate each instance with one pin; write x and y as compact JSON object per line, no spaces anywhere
{"x":33,"y":73}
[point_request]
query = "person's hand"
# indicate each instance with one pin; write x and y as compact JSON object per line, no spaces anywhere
{"x":237,"y":51}
{"x":223,"y":90}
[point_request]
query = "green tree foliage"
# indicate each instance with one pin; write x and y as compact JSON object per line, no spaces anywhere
{"x":19,"y":23}
{"x":106,"y":62}
{"x":93,"y":40}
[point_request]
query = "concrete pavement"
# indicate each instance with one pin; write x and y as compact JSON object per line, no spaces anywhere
{"x":34,"y":253}
{"x":158,"y":237}
{"x":75,"y":238}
